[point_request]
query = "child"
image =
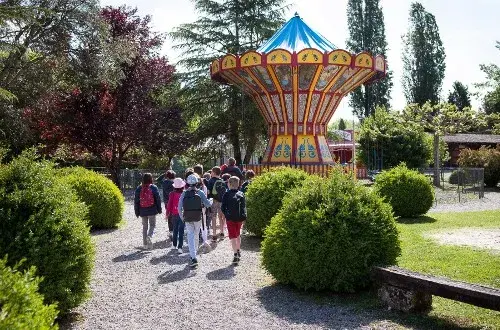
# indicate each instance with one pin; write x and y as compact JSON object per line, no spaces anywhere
{"x":173,"y":213}
{"x":226,"y":177}
{"x":234,"y":208}
{"x":166,"y":180}
{"x":190,"y":207}
{"x":249,"y":175}
{"x":216,"y":190}
{"x":147,"y":204}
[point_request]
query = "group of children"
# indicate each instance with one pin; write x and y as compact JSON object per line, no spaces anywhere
{"x":196,"y":203}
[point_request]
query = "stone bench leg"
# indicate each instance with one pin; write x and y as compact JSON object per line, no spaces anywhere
{"x":405,"y":300}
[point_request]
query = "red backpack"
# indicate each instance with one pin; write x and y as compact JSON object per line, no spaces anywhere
{"x":146,"y":197}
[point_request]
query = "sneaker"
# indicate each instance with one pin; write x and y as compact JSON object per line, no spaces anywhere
{"x":221,"y":235}
{"x":179,"y":251}
{"x":194,"y":263}
{"x":235,"y":259}
{"x":149,"y":242}
{"x":145,"y":247}
{"x":173,"y":246}
{"x":214,"y":238}
{"x":239,"y":254}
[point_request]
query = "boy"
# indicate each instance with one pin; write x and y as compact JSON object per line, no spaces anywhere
{"x":234,"y":209}
{"x":166,"y":180}
{"x":249,"y":175}
{"x":190,"y":207}
{"x":216,"y":190}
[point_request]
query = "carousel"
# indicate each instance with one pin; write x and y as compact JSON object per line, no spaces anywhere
{"x":297,"y":79}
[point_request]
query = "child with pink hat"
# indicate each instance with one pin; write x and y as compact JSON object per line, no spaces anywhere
{"x":172,"y":210}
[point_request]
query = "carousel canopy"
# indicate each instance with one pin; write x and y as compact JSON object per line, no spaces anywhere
{"x":295,"y":36}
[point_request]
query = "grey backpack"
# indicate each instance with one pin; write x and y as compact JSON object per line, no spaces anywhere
{"x":192,"y":205}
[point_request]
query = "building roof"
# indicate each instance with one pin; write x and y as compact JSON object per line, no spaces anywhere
{"x":295,"y":36}
{"x":472,"y":138}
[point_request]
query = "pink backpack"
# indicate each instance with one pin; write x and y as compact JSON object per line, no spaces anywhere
{"x":146,"y":197}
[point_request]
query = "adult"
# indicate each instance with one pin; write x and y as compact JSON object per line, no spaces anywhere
{"x":232,"y":169}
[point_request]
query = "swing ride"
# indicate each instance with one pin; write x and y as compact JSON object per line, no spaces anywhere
{"x":297,"y":79}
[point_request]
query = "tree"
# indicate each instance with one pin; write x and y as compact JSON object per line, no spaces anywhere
{"x":491,"y":101}
{"x":386,"y":141}
{"x":342,"y":125}
{"x":105,"y":118}
{"x":423,"y":58}
{"x":228,"y":26}
{"x":459,"y":96}
{"x":367,"y":33}
{"x":440,"y":119}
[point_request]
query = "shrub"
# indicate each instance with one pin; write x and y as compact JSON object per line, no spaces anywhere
{"x":264,"y":196}
{"x":101,"y":195}
{"x":460,"y":177}
{"x":409,"y":192}
{"x":485,"y":157}
{"x":328,"y":235}
{"x":21,"y":306}
{"x":42,"y":221}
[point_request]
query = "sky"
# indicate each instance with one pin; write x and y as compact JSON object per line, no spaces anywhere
{"x":468,"y":30}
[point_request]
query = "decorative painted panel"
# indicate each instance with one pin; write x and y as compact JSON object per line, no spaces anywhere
{"x":302,"y":106}
{"x":326,"y":76}
{"x":363,"y":60}
{"x":380,"y":63}
{"x":282,"y":151}
{"x":323,"y":149}
{"x":306,"y":75}
{"x":268,"y":107}
{"x":314,"y":105}
{"x":264,"y":77}
{"x":250,"y":58}
{"x":356,"y":81}
{"x":289,"y":106}
{"x":279,"y":56}
{"x":341,"y":81}
{"x":215,"y":67}
{"x":306,"y":149}
{"x":310,"y":56}
{"x":228,"y":62}
{"x":277,"y":106}
{"x":284,"y":75}
{"x":248,"y":79}
{"x":339,"y":57}
{"x":324,"y":106}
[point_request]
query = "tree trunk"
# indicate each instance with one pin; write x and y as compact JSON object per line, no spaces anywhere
{"x":252,"y":142}
{"x":437,"y":181}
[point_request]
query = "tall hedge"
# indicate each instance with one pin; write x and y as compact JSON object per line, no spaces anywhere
{"x":487,"y":158}
{"x":103,"y":198}
{"x":42,"y":221}
{"x":328,"y":235}
{"x":265,"y":195}
{"x":409,"y":192}
{"x":21,"y":306}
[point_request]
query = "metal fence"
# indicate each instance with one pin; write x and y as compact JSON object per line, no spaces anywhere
{"x":129,"y":178}
{"x":457,"y":184}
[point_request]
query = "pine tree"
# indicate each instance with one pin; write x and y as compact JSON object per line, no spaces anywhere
{"x":423,"y":58}
{"x":227,"y":26}
{"x":459,"y":96}
{"x":342,"y":125}
{"x":367,"y":33}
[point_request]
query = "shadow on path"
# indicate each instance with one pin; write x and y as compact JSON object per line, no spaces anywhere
{"x":343,"y":310}
{"x":173,"y":276}
{"x":99,"y":232}
{"x":131,"y":256}
{"x":411,"y":221}
{"x":250,"y":243}
{"x":225,"y":273}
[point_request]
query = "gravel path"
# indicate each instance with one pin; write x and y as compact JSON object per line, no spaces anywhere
{"x":135,"y":289}
{"x":470,"y":202}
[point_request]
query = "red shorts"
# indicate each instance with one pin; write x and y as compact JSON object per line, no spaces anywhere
{"x":233,"y":228}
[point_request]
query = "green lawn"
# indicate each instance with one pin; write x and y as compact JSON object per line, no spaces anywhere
{"x":461,"y":263}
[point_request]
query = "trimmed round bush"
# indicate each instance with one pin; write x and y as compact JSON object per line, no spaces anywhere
{"x":409,"y":192}
{"x":42,"y":221}
{"x":328,"y":235}
{"x":264,"y":196}
{"x":21,"y":305}
{"x":103,"y":198}
{"x":460,"y":177}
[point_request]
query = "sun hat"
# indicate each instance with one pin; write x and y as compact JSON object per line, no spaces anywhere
{"x":179,"y":183}
{"x":192,"y":180}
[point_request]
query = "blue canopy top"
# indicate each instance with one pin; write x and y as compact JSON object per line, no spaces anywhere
{"x":295,"y":35}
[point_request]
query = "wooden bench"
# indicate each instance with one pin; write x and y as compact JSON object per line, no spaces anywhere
{"x":411,"y":291}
